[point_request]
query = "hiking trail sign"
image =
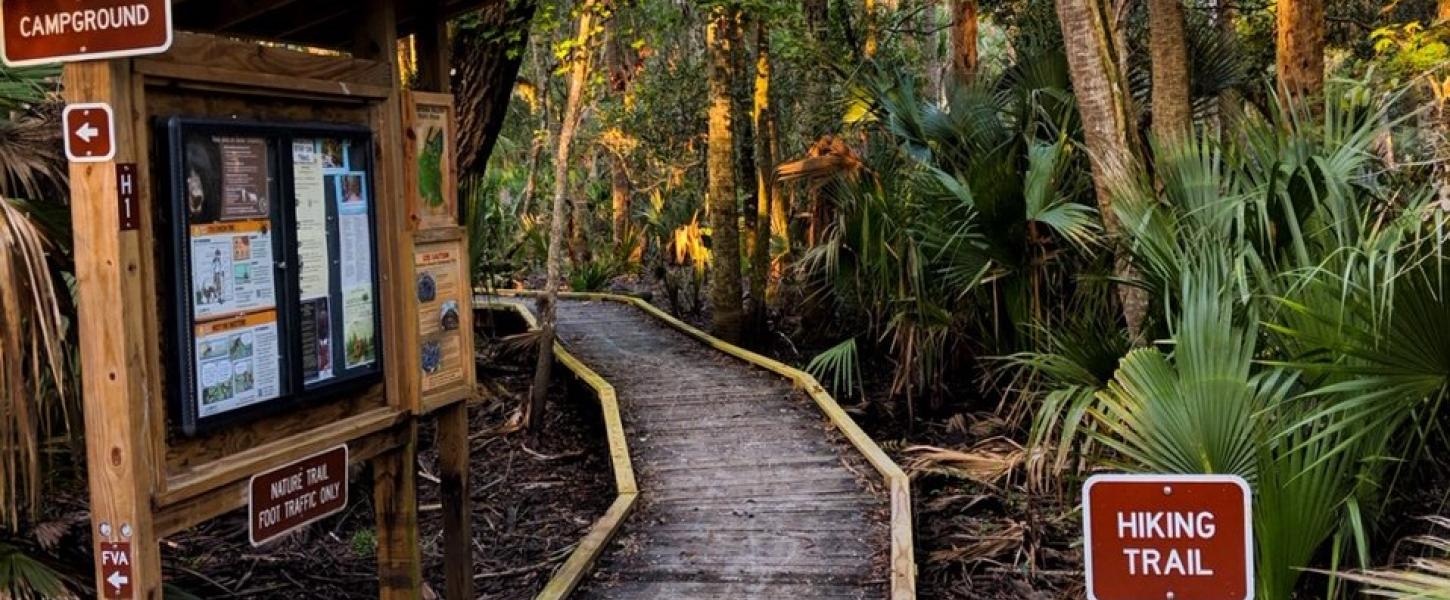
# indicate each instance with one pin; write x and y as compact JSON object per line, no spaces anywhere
{"x":49,"y":31}
{"x":1175,"y":537}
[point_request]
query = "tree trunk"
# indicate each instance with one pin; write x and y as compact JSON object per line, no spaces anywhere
{"x":1442,"y":12}
{"x":1300,"y":54}
{"x":1103,"y":102}
{"x":764,"y":181}
{"x":725,"y":293}
{"x":486,"y":64}
{"x":1172,"y":108}
{"x":619,"y":192}
{"x":578,"y":75}
{"x":964,"y":39}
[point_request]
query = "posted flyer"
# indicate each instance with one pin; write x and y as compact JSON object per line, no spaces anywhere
{"x":313,"y":252}
{"x":439,"y":320}
{"x":237,"y":362}
{"x":231,"y":268}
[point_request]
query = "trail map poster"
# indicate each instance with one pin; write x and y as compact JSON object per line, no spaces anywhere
{"x":431,"y":160}
{"x":440,"y":291}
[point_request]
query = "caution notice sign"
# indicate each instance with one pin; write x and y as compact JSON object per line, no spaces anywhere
{"x":1178,"y":537}
{"x":47,"y":31}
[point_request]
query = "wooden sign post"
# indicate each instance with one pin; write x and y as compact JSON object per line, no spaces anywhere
{"x":207,"y":137}
{"x":1175,"y":537}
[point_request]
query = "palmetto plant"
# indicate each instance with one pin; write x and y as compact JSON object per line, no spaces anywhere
{"x":1305,"y":329}
{"x":958,"y":227}
{"x":37,"y":374}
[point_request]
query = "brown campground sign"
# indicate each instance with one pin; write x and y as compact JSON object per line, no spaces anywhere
{"x":48,"y":31}
{"x":1175,"y":537}
{"x":293,"y":495}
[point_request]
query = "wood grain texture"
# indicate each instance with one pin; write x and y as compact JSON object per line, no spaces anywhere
{"x":902,"y":559}
{"x":119,"y":444}
{"x":745,"y":493}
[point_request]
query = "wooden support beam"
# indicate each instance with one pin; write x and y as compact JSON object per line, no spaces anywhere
{"x":433,"y":50}
{"x":395,"y":499}
{"x":113,"y":356}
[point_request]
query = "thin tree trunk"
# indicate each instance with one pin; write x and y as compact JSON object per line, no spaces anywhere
{"x":1172,"y":108}
{"x":725,"y":293}
{"x":964,"y":39}
{"x":578,"y":74}
{"x":764,"y":181}
{"x":619,"y":193}
{"x":1300,"y":54}
{"x":1103,"y":101}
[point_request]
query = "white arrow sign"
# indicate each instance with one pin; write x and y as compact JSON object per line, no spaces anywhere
{"x":87,"y":132}
{"x":117,"y":580}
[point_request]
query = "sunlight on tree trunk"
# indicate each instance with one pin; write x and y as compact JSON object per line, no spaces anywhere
{"x":569,"y":121}
{"x":761,"y":118}
{"x":1300,"y":54}
{"x":964,"y":39}
{"x":1442,"y":11}
{"x":1103,"y":102}
{"x":1172,"y":110}
{"x":725,"y":293}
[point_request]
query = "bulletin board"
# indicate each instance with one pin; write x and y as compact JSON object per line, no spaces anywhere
{"x":274,"y":241}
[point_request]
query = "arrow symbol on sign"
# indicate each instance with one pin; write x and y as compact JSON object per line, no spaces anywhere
{"x":87,"y":132}
{"x":117,"y":580}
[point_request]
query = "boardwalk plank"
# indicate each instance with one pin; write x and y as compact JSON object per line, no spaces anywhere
{"x":747,"y":493}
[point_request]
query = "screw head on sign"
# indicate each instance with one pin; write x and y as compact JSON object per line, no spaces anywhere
{"x":1168,"y":491}
{"x":126,"y":530}
{"x":105,"y":529}
{"x":1170,"y":596}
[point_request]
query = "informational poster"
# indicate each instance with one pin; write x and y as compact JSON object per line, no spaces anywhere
{"x":346,"y":184}
{"x":231,"y":268}
{"x":309,"y":188}
{"x":440,"y":291}
{"x":434,"y":195}
{"x":315,"y":326}
{"x":237,"y":362}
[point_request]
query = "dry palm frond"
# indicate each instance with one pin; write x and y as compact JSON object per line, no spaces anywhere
{"x":31,"y":165}
{"x":987,"y":546}
{"x":828,"y":158}
{"x":987,"y":463}
{"x":1425,"y":578}
{"x":33,"y":371}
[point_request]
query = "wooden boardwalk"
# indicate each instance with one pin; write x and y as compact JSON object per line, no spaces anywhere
{"x":746,"y":490}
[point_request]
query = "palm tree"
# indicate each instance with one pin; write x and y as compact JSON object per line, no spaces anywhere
{"x":726,"y":295}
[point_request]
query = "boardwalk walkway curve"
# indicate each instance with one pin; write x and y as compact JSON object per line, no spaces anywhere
{"x":753,"y":483}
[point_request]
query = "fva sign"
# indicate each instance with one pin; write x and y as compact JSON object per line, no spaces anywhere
{"x":47,"y":31}
{"x":1174,"y":537}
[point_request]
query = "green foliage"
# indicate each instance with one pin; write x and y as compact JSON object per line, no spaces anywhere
{"x":364,"y":542}
{"x":595,"y":275}
{"x":841,"y":366}
{"x":23,"y":577}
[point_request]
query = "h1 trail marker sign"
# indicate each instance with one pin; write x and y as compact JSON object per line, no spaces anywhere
{"x":1174,"y":537}
{"x":48,"y":31}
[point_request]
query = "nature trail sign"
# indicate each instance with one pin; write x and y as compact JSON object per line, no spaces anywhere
{"x":48,"y":31}
{"x":1175,"y":537}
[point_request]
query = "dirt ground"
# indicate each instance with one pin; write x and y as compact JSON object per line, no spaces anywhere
{"x":533,"y":499}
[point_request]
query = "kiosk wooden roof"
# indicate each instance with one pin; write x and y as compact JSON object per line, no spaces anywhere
{"x":319,"y":23}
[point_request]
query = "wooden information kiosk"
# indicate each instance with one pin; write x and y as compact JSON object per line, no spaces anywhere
{"x":273,"y":281}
